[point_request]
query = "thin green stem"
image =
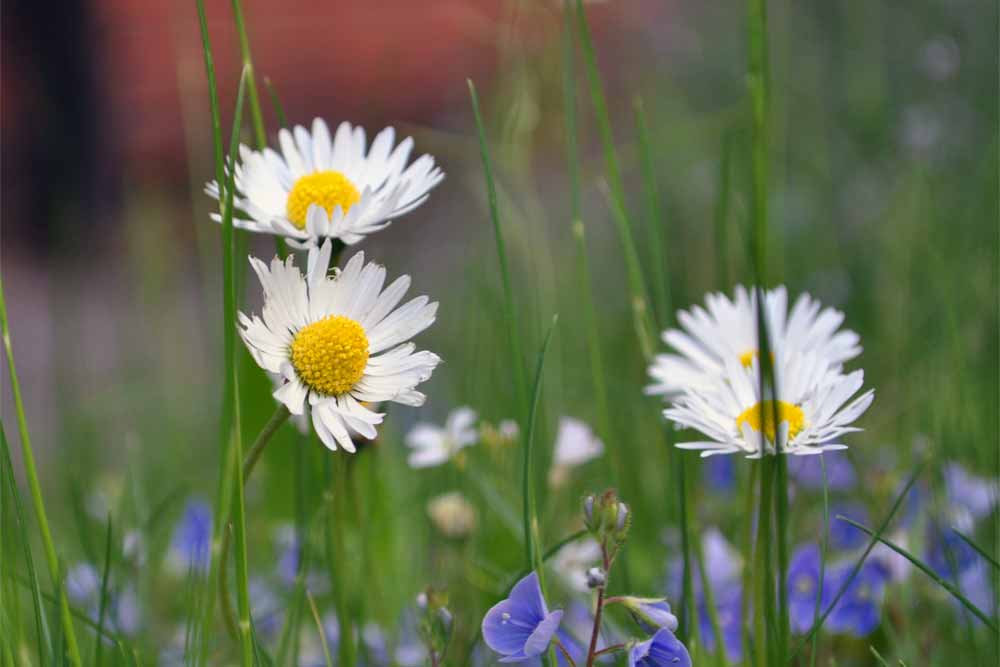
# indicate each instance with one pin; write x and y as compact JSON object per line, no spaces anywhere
{"x":709,"y":594}
{"x":279,"y":417}
{"x":335,"y":534}
{"x":764,"y":584}
{"x":824,"y":547}
{"x":721,"y":214}
{"x":596,"y":630}
{"x":616,"y":191}
{"x":513,"y":331}
{"x":655,"y":221}
{"x":689,"y":606}
{"x":35,"y":487}
{"x":260,"y":132}
{"x":527,"y":482}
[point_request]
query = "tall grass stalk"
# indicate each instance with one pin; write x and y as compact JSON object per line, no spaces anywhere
{"x":256,"y":113}
{"x":230,"y":352}
{"x":35,"y":487}
{"x":42,"y":634}
{"x":656,"y":223}
{"x":518,"y":370}
{"x":616,"y":190}
{"x":823,"y":549}
{"x":335,"y":534}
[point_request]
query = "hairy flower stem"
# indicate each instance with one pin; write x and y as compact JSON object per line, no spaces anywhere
{"x":263,"y":438}
{"x":606,"y":562}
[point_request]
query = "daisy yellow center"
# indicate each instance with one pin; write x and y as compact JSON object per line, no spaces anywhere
{"x":787,"y":412}
{"x":330,"y":355}
{"x":328,"y":189}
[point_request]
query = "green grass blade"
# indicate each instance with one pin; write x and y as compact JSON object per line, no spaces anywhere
{"x":42,"y":634}
{"x":510,"y":320}
{"x":978,"y":549}
{"x":256,"y":113}
{"x":720,"y":216}
{"x":926,"y":569}
{"x":655,"y":221}
{"x":614,"y":181}
{"x":319,"y":628}
{"x":105,"y":592}
{"x":335,"y":530}
{"x":35,"y":486}
{"x":527,"y":478}
{"x":279,"y":110}
{"x":823,"y":549}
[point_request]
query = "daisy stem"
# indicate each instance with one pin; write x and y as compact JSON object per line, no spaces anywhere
{"x":764,"y":584}
{"x":335,"y":533}
{"x":256,"y":114}
{"x":748,"y":561}
{"x":263,"y":438}
{"x":824,"y":546}
{"x":28,"y":456}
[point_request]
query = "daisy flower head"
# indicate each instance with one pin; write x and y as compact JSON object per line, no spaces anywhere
{"x":725,"y":330}
{"x":339,"y":341}
{"x":320,"y":186}
{"x":810,"y":414}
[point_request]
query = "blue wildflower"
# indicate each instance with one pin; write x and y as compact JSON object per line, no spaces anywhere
{"x":968,"y":493}
{"x":521,"y":626}
{"x":975,"y":585}
{"x":803,"y":587}
{"x":858,"y":612}
{"x":720,"y":472}
{"x":808,"y":471}
{"x":651,"y":613}
{"x":729,"y":609}
{"x":947,"y":553}
{"x":192,"y":539}
{"x":661,"y":650}
{"x":844,"y":536}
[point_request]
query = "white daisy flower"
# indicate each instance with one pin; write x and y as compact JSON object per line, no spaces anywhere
{"x":319,"y":187}
{"x":811,"y":411}
{"x":433,"y":445}
{"x":339,"y":342}
{"x":725,"y":330}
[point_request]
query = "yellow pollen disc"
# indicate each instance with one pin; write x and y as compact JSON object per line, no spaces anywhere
{"x":324,"y":188}
{"x":330,"y":355}
{"x":787,"y":412}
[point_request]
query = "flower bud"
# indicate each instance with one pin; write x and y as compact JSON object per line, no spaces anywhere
{"x":596,"y":577}
{"x":606,"y":517}
{"x":651,"y":613}
{"x":588,"y":512}
{"x":436,"y":621}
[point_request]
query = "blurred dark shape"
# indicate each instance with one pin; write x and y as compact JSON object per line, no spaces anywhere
{"x":59,"y":171}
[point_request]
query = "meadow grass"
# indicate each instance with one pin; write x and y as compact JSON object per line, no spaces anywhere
{"x":911,"y":269}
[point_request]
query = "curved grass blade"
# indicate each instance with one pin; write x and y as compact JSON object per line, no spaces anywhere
{"x":528,"y":487}
{"x":510,"y":319}
{"x":926,"y":569}
{"x":103,"y":605}
{"x":979,"y":550}
{"x":41,"y":626}
{"x":34,"y":485}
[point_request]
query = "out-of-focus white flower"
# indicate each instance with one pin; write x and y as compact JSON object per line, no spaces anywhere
{"x":576,"y":444}
{"x":574,"y":560}
{"x":433,"y":445}
{"x":452,"y":514}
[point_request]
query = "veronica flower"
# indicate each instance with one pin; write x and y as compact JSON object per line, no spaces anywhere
{"x":521,"y":626}
{"x":804,"y":587}
{"x":859,"y":610}
{"x":968,"y":493}
{"x":433,"y":445}
{"x":82,"y":583}
{"x":661,"y":650}
{"x":339,"y":342}
{"x":319,"y":187}
{"x":947,"y":553}
{"x":808,"y":471}
{"x":725,"y":332}
{"x":720,"y":473}
{"x":651,"y":613}
{"x":812,"y":409}
{"x":191,"y":542}
{"x":729,"y":610}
